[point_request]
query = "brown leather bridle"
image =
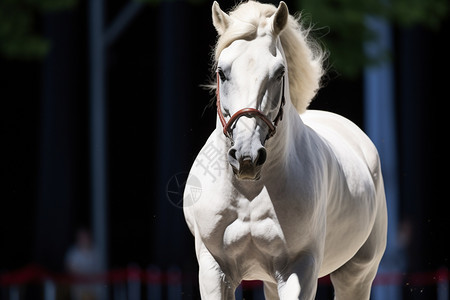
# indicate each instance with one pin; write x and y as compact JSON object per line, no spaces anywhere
{"x":248,"y":112}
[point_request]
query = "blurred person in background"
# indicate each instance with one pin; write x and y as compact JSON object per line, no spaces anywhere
{"x":82,"y":264}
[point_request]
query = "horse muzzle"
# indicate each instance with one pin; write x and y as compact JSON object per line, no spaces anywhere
{"x":246,"y":167}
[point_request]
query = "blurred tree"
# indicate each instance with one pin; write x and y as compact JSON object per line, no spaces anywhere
{"x":19,"y":37}
{"x":343,"y":23}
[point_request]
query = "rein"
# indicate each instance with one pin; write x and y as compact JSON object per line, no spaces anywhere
{"x":248,"y":112}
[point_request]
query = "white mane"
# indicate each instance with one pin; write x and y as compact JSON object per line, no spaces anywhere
{"x":304,"y":57}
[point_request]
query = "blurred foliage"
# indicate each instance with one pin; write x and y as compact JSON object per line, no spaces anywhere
{"x":339,"y":24}
{"x":342,"y":25}
{"x":19,"y":37}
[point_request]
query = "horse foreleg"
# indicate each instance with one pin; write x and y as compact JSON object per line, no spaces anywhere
{"x":214,"y":283}
{"x":300,"y":282}
{"x":270,"y":291}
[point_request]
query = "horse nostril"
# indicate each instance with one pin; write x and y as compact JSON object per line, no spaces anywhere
{"x":261,"y":158}
{"x":232,"y":159}
{"x":232,"y":153}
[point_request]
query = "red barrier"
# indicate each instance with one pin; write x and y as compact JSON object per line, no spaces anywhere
{"x":28,"y":274}
{"x":35,"y":274}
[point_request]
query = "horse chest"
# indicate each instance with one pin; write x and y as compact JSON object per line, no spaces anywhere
{"x":254,"y":227}
{"x":252,"y":230}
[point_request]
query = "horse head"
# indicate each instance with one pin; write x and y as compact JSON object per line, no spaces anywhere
{"x":251,"y":75}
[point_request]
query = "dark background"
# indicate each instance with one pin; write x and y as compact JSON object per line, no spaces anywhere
{"x":158,"y":118}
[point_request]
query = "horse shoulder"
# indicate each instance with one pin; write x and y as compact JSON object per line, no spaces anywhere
{"x":205,"y":172}
{"x":210,"y":213}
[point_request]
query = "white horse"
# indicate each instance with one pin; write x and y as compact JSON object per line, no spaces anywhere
{"x":283,"y":195}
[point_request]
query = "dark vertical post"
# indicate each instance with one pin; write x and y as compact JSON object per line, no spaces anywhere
{"x":415,"y":85}
{"x":98,"y":131}
{"x":172,"y":114}
{"x":100,"y":38}
{"x":57,"y":151}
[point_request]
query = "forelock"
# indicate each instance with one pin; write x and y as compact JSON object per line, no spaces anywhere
{"x":246,"y":18}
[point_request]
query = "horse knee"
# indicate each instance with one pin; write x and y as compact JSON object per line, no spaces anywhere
{"x":300,"y":281}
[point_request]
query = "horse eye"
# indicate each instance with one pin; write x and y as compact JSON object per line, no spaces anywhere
{"x":281,"y":74}
{"x":221,"y":74}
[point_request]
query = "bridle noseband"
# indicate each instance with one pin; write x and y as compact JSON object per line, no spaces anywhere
{"x":248,"y":112}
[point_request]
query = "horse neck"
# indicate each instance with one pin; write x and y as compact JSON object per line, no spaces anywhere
{"x":289,"y":130}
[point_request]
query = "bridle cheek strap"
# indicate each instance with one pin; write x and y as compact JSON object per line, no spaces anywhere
{"x":248,"y":112}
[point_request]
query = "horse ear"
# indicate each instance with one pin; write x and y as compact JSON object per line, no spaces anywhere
{"x":280,"y":18}
{"x":221,"y":20}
